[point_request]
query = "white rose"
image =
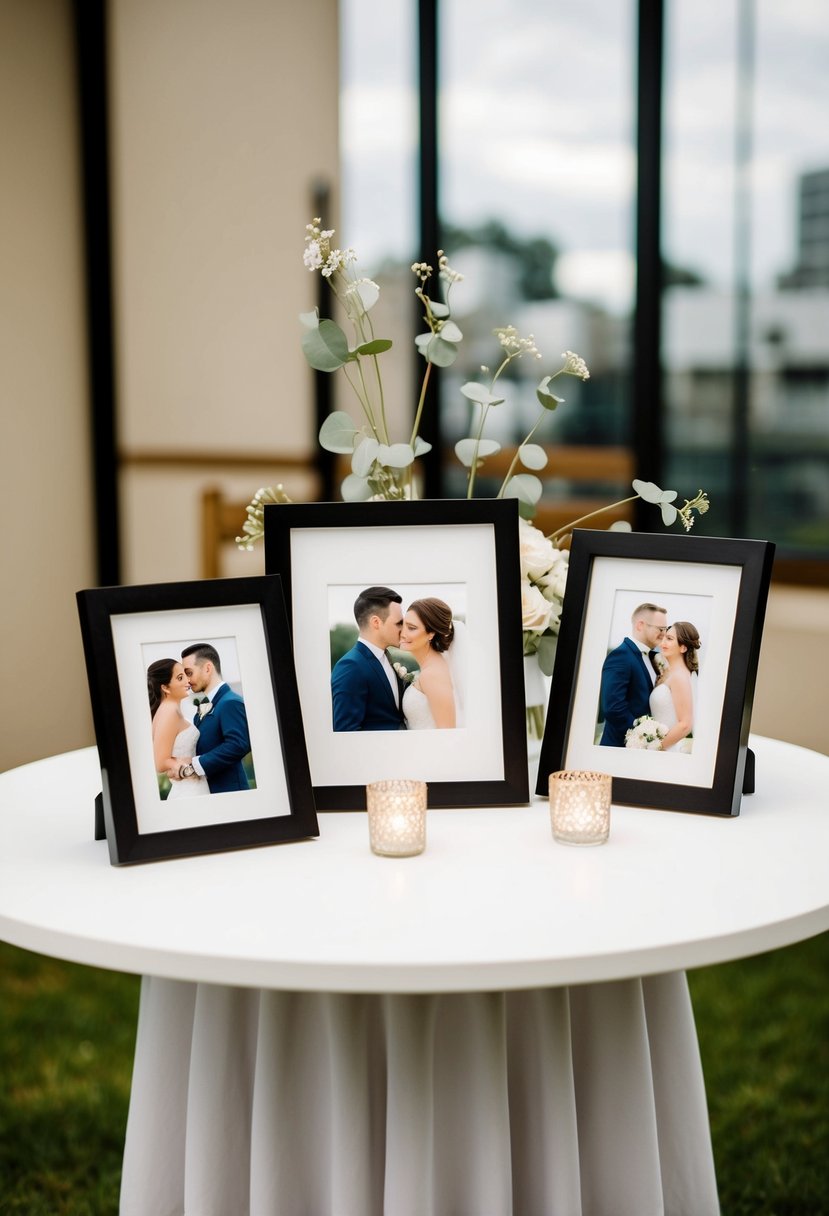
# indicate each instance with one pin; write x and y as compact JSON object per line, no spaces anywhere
{"x":555,"y":580}
{"x":554,"y":623}
{"x":554,"y":583}
{"x":535,"y":611}
{"x":537,"y":553}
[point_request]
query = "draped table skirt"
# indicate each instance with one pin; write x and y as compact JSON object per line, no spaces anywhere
{"x":580,"y":1101}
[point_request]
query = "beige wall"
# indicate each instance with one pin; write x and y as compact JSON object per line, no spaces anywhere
{"x":46,"y":547}
{"x":223,"y":117}
{"x":793,"y":672}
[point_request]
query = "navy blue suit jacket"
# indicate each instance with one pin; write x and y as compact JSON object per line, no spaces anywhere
{"x":224,"y":741}
{"x":362,"y":695}
{"x":626,"y":690}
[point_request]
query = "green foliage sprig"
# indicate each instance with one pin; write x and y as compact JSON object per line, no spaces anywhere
{"x":382,"y":467}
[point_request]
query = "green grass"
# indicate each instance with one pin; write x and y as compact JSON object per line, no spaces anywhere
{"x":763,"y":1027}
{"x":67,"y":1036}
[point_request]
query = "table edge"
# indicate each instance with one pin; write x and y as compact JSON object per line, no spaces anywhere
{"x":298,"y":976}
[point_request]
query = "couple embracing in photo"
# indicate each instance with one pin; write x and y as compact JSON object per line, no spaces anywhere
{"x":202,"y":756}
{"x":649,"y":675}
{"x":371,"y":692}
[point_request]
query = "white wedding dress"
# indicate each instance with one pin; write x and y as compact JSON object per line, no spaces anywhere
{"x":416,"y":709}
{"x":662,"y":708}
{"x":184,"y":746}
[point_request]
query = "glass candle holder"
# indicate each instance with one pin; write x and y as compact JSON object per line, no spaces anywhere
{"x":396,"y":817}
{"x":580,"y":807}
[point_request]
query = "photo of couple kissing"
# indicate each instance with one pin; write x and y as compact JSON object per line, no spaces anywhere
{"x":201,"y":752}
{"x":370,"y":690}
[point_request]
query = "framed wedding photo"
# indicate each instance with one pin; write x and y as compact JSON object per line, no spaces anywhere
{"x":406,"y":625}
{"x":197,"y":718}
{"x":656,"y":665}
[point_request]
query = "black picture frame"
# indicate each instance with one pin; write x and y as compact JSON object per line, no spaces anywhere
{"x":323,"y":550}
{"x":727,"y":582}
{"x":120,"y":627}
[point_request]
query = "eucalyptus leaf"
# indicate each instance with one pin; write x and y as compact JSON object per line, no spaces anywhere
{"x":435,"y":350}
{"x":526,"y":488}
{"x":549,"y":400}
{"x":421,"y":447}
{"x":355,"y":489}
{"x":465,"y":450}
{"x":474,"y":391}
{"x":395,"y":455}
{"x":369,"y":293}
{"x":669,"y":514}
{"x":620,"y":525}
{"x":451,"y":333}
{"x":310,"y":319}
{"x":547,"y":646}
{"x":375,"y":347}
{"x":649,"y":491}
{"x":326,"y":347}
{"x":338,"y":433}
{"x":532,"y":456}
{"x":364,"y":456}
{"x":440,"y":311}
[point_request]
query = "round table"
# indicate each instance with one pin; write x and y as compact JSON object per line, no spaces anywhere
{"x":499,"y":1025}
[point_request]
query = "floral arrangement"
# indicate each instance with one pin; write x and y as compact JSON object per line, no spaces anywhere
{"x":382,"y":465}
{"x":646,"y":734}
{"x":543,"y":582}
{"x":381,"y":468}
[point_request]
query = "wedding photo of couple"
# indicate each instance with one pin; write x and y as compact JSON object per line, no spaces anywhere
{"x":651,"y":674}
{"x":404,"y":671}
{"x":201,"y":744}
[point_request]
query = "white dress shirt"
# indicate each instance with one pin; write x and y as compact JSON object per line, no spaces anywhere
{"x":646,"y":655}
{"x":379,"y":653}
{"x":210,"y":695}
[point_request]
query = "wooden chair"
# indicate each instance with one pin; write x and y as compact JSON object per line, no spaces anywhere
{"x":222,"y":518}
{"x":602,"y":474}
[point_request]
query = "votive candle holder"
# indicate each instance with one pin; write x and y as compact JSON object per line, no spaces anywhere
{"x":580,"y":806}
{"x":397,"y":817}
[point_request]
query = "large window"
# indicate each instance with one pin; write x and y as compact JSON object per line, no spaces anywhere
{"x":536,"y":190}
{"x":537,"y":173}
{"x":746,"y":240}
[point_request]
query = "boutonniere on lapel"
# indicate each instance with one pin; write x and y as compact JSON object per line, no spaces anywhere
{"x":204,"y":706}
{"x":403,"y":673}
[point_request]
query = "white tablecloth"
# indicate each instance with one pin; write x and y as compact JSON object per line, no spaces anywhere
{"x":580,"y":1101}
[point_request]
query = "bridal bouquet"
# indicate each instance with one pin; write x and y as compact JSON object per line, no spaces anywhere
{"x":382,"y":465}
{"x":646,"y":734}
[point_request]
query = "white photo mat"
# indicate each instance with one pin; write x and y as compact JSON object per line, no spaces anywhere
{"x":398,"y":557}
{"x":644,"y":579}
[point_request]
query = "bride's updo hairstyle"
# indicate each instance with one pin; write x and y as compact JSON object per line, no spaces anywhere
{"x":437,"y":619}
{"x":159,"y":673}
{"x":686,"y":635}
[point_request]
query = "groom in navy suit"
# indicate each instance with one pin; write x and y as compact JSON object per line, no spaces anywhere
{"x":629,"y":673}
{"x":224,"y":739}
{"x":366,"y":691}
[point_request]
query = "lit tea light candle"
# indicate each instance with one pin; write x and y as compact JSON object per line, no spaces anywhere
{"x":580,"y":806}
{"x":397,"y":817}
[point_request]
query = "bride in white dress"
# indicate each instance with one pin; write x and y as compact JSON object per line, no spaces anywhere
{"x":433,"y":700}
{"x":174,"y":737}
{"x":672,"y":699}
